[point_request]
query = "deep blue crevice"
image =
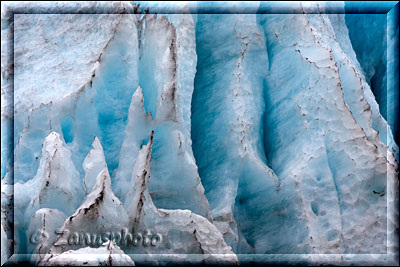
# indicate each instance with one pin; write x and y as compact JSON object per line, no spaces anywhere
{"x":374,"y":41}
{"x":114,"y":85}
{"x":67,"y":128}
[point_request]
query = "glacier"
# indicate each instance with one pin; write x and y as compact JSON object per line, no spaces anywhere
{"x":108,"y":254}
{"x":228,"y":133}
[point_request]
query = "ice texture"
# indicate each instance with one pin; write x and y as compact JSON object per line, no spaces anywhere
{"x":93,"y":164}
{"x":201,"y":235}
{"x":97,"y":215}
{"x":108,"y":254}
{"x":376,"y":51}
{"x":258,"y":132}
{"x":57,"y":183}
{"x":7,"y":220}
{"x":42,"y":230}
{"x":330,"y":153}
{"x":161,"y":103}
{"x":227,"y":110}
{"x":5,"y":251}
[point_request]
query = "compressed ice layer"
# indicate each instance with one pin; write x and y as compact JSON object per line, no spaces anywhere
{"x":328,"y":150}
{"x":102,"y":101}
{"x":374,"y":51}
{"x":162,"y":103}
{"x":227,"y":111}
{"x":77,"y":108}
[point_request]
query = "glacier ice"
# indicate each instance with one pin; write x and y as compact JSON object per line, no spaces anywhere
{"x":96,"y":215}
{"x":5,"y":244}
{"x":213,"y":132}
{"x":161,"y":103}
{"x":7,"y":219}
{"x":94,"y":221}
{"x":227,"y":140}
{"x":42,"y":228}
{"x":108,"y":254}
{"x":302,"y":100}
{"x":377,"y":61}
{"x":201,"y":235}
{"x":57,"y":183}
{"x":93,"y":164}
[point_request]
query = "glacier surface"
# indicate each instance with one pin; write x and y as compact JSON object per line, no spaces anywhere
{"x":199,"y":132}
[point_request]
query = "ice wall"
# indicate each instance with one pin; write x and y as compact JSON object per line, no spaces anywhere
{"x":236,"y":132}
